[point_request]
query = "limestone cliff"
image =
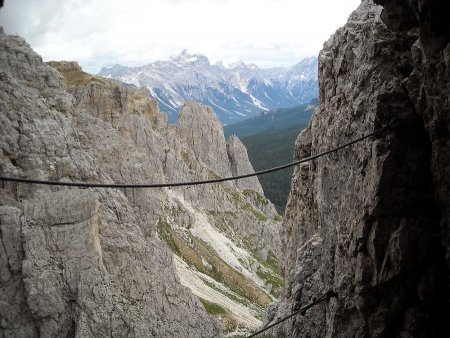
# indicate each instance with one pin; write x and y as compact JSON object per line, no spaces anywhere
{"x":104,"y":262}
{"x":372,"y":221}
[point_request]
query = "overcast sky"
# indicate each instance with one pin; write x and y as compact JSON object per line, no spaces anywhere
{"x":99,"y":33}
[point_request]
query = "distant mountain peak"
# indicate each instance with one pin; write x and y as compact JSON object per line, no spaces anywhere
{"x":236,"y":64}
{"x":241,"y":65}
{"x":186,"y":58}
{"x":235,"y":92}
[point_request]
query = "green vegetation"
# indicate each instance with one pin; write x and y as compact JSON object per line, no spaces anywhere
{"x":227,"y":275}
{"x":166,"y":234}
{"x":258,"y":215}
{"x":269,"y":278}
{"x":212,"y":175}
{"x":241,"y":289}
{"x":238,"y":200}
{"x":238,"y":299}
{"x":223,"y":220}
{"x":274,"y":132}
{"x":96,"y":79}
{"x":193,"y":251}
{"x":260,"y":199}
{"x":222,"y":214}
{"x":273,"y":262}
{"x":270,"y":270}
{"x":186,"y":159}
{"x":80,"y":78}
{"x":278,"y":149}
{"x":212,"y":308}
{"x":227,"y":320}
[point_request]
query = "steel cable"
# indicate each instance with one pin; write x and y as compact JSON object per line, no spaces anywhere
{"x":179,"y":184}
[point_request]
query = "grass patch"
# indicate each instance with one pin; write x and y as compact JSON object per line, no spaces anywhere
{"x":95,"y":79}
{"x":222,"y":214}
{"x":191,"y":255}
{"x":237,"y":282}
{"x":186,"y":159}
{"x":212,"y":308}
{"x":269,"y":277}
{"x":260,"y":199}
{"x":277,"y":218}
{"x":239,"y":201}
{"x":241,"y":300}
{"x":73,"y":75}
{"x":227,"y":320}
{"x":212,"y":175}
{"x":79,"y":78}
{"x":196,"y":251}
{"x":273,"y":263}
{"x":254,"y":212}
{"x":167,"y":235}
{"x":223,"y":220}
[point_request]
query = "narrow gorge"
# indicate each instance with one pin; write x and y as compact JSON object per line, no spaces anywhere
{"x":369,"y":222}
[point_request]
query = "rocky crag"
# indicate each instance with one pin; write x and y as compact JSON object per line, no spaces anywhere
{"x":372,"y":221}
{"x":116,"y":262}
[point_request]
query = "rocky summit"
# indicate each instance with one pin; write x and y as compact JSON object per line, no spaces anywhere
{"x":371,"y":221}
{"x":167,"y":262}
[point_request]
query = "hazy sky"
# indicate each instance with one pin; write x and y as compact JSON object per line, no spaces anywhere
{"x":100,"y":33}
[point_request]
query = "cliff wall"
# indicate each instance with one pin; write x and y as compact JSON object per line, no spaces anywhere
{"x":372,"y":221}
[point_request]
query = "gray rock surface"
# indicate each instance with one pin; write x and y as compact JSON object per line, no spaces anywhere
{"x":371,"y":221}
{"x":90,"y":263}
{"x":198,"y":126}
{"x":240,"y":165}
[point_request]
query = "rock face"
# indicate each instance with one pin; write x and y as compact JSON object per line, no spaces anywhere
{"x":199,"y":128}
{"x":240,"y":165}
{"x":115,"y":262}
{"x":372,"y":221}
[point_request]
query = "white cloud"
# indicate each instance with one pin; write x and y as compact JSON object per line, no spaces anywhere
{"x":103,"y":32}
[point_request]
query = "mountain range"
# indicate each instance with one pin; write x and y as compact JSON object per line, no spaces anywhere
{"x":235,"y":92}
